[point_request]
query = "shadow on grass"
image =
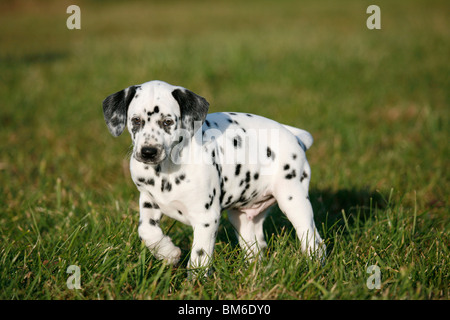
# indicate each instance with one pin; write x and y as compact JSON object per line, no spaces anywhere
{"x":358,"y":206}
{"x":328,"y":206}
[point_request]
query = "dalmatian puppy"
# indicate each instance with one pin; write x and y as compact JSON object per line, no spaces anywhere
{"x":191,"y":166}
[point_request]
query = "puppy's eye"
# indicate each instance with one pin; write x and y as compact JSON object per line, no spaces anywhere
{"x":167,"y":122}
{"x":136,"y":121}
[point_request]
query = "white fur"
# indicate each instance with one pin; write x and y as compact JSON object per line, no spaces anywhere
{"x":237,"y":162}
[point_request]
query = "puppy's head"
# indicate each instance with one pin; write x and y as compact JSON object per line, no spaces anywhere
{"x":158,"y":116}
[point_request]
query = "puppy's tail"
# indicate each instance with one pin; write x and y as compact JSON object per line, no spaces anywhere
{"x":304,"y":138}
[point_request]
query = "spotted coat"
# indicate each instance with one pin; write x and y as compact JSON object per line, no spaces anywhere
{"x":192,"y":166}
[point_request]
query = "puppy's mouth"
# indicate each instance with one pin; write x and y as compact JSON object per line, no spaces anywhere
{"x":150,"y":154}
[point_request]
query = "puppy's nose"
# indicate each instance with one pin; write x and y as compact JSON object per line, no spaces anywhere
{"x":149,"y":153}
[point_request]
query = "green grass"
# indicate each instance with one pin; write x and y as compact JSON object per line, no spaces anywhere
{"x":376,"y":102}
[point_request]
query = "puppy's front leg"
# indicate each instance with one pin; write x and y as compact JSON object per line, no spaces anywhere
{"x":205,"y":234}
{"x":150,"y":232}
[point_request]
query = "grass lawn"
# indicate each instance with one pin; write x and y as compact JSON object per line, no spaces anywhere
{"x":376,"y":102}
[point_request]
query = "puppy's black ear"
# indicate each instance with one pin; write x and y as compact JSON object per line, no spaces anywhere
{"x":193,"y":108}
{"x":115,"y":108}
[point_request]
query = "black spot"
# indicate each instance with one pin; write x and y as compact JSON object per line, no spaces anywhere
{"x":238,"y":169}
{"x":256,"y":176}
{"x":230,"y":121}
{"x":150,"y":181}
{"x":294,"y":156}
{"x":247,"y":177}
{"x":269,"y":152}
{"x":148,"y":205}
{"x":153,"y":222}
{"x":304,"y":176}
{"x":249,"y":115}
{"x":155,"y":206}
{"x":182,"y":176}
{"x":200,"y":252}
{"x":141,"y":180}
{"x":165,"y":185}
{"x":286,"y":167}
{"x":181,"y":213}
{"x":290,"y":175}
{"x":211,"y":199}
{"x":232,"y":113}
{"x":222,"y":194}
{"x":242,"y":197}
{"x":237,"y":142}
{"x":290,"y":198}
{"x":156,"y":110}
{"x":206,"y":225}
{"x":219,"y":169}
{"x":207,"y":123}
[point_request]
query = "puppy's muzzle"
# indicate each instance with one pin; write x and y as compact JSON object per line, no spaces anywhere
{"x":150,"y":154}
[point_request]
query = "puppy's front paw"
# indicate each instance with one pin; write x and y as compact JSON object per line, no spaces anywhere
{"x":173,"y":256}
{"x":165,"y":250}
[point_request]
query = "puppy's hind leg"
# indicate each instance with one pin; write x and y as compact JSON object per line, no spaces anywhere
{"x":294,"y":202}
{"x":259,"y":230}
{"x":249,"y":232}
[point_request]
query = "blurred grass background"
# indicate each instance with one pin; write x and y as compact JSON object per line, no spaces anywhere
{"x":376,"y":102}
